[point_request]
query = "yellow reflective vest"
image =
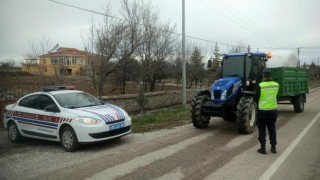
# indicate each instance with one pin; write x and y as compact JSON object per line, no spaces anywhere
{"x":268,"y":95}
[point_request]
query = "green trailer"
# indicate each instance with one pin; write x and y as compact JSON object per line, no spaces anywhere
{"x":293,"y":84}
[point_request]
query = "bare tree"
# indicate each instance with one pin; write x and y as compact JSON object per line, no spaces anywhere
{"x":127,"y":70}
{"x":159,"y":45}
{"x":213,"y":71}
{"x":240,"y":47}
{"x":29,"y":61}
{"x":7,"y":65}
{"x":37,"y":53}
{"x":195,"y":67}
{"x":113,"y":42}
{"x":60,"y":73}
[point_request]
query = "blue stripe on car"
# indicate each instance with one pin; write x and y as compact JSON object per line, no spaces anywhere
{"x":33,"y":121}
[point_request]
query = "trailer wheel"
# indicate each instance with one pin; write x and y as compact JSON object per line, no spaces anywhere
{"x":298,"y":104}
{"x":198,"y":119}
{"x":246,"y":115}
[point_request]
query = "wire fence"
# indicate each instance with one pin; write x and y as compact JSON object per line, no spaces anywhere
{"x":9,"y":93}
{"x":15,"y":91}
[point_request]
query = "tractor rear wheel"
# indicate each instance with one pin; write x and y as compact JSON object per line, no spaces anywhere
{"x":246,"y":115}
{"x":198,"y":119}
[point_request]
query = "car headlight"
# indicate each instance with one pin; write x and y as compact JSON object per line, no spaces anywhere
{"x":224,"y":95}
{"x":126,"y":116}
{"x":88,"y":120}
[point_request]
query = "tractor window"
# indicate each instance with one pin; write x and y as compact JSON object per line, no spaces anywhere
{"x":248,"y":66}
{"x":233,"y":66}
{"x":256,"y":69}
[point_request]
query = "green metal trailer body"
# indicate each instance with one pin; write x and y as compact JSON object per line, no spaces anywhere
{"x":292,"y":81}
{"x":293,"y":86}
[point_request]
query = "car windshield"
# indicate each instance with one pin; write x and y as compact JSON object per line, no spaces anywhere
{"x":233,"y":66}
{"x":77,"y":100}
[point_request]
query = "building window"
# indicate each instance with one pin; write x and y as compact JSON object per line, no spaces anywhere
{"x":79,"y":60}
{"x":74,"y":61}
{"x":60,"y":60}
{"x":54,"y":60}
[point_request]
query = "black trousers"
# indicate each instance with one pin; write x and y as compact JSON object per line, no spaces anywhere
{"x":267,"y":120}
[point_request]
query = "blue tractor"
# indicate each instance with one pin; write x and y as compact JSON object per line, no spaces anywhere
{"x":231,"y":97}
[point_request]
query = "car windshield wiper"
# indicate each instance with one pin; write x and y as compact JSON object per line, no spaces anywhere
{"x":89,"y":105}
{"x":71,"y":107}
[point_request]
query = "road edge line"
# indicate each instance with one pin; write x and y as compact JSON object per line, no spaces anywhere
{"x":278,"y":162}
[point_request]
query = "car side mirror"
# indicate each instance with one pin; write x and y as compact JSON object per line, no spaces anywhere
{"x":52,"y":108}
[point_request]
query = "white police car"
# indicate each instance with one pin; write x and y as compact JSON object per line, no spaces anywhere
{"x":70,"y":116}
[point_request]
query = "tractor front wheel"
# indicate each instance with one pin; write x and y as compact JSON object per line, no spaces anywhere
{"x":246,"y":115}
{"x":199,"y":120}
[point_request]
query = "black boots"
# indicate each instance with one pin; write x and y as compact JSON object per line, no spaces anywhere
{"x":262,"y":150}
{"x":273,"y":149}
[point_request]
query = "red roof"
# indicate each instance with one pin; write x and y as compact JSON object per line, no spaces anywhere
{"x":63,"y":51}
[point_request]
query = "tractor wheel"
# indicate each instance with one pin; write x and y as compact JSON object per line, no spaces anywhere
{"x":298,"y":104}
{"x":246,"y":115}
{"x":198,"y":119}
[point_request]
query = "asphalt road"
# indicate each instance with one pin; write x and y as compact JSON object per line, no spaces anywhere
{"x":218,"y":152}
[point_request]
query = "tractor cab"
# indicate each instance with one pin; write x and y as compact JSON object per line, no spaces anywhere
{"x":246,"y":66}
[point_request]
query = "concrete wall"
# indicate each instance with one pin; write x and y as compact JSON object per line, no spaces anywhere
{"x":155,"y":100}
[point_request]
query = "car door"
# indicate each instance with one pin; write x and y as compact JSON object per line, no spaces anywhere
{"x":25,"y":114}
{"x":46,"y":122}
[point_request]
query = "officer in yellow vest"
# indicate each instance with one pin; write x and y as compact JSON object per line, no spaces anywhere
{"x":266,"y":98}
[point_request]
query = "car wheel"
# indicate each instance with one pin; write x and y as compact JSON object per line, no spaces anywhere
{"x":13,"y":132}
{"x":69,"y":140}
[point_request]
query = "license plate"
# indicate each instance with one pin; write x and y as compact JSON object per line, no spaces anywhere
{"x":116,"y":126}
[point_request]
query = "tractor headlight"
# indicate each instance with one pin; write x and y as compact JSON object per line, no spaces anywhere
{"x":88,"y":120}
{"x":224,"y":95}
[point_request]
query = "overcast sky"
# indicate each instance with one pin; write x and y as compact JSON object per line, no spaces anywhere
{"x":263,"y":24}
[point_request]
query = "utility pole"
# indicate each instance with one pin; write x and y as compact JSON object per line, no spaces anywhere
{"x":184,"y":81}
{"x":298,"y":52}
{"x":318,"y":61}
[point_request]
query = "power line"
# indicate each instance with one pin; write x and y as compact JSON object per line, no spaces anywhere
{"x":88,"y":10}
{"x":179,"y":34}
{"x":246,"y":19}
{"x":225,"y":14}
{"x":103,"y":14}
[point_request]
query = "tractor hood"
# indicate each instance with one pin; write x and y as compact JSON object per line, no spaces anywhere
{"x":225,"y":87}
